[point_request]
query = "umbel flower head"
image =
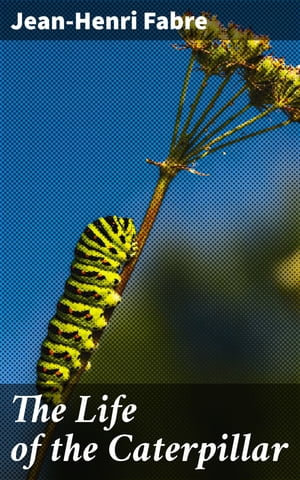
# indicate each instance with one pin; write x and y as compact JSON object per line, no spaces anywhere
{"x":219,"y":50}
{"x":199,"y":40}
{"x":244,"y":46}
{"x":272,"y":82}
{"x":224,"y":51}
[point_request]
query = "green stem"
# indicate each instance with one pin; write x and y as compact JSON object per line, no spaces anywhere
{"x":151,"y":214}
{"x":242,"y":125}
{"x":182,"y":99}
{"x":211,"y":104}
{"x":217,"y":115}
{"x":244,"y":137}
{"x":158,"y":196}
{"x":199,"y":146}
{"x":195,"y":103}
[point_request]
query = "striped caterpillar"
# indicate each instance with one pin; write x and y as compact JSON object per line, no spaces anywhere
{"x":104,"y":246}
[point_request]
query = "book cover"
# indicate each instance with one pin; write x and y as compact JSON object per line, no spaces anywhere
{"x":150,"y":233}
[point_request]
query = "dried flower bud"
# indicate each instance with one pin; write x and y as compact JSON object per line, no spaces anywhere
{"x":244,"y":46}
{"x":220,"y":50}
{"x":201,"y":39}
{"x":266,"y":71}
{"x":214,"y":60}
{"x":272,"y":82}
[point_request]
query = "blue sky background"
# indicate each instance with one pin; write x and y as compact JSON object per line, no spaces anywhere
{"x":79,"y":120}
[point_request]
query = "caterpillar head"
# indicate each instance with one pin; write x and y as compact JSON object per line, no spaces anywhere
{"x":130,"y":234}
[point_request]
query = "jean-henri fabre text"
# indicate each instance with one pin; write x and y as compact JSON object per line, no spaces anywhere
{"x":85,"y":21}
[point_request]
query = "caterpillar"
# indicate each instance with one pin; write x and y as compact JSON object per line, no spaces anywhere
{"x":103,"y":248}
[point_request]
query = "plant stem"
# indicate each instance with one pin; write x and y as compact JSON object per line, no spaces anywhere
{"x":242,"y":125}
{"x":195,"y":103}
{"x":182,"y":99}
{"x":217,"y":115}
{"x":149,"y":219}
{"x":230,"y":132}
{"x":198,"y":148}
{"x":244,"y":137}
{"x":211,"y":103}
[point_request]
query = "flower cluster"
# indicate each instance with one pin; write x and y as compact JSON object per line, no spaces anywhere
{"x":244,"y":47}
{"x":220,"y":50}
{"x":272,"y":82}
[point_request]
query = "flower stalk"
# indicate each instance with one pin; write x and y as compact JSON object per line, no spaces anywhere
{"x":204,"y":141}
{"x":224,"y":124}
{"x":182,"y":99}
{"x":195,"y":103}
{"x":271,"y":85}
{"x":244,"y":137}
{"x":166,"y":176}
{"x":211,"y":104}
{"x":247,"y":123}
{"x":229,"y":103}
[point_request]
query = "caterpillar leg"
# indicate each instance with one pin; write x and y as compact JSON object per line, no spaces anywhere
{"x":88,"y":366}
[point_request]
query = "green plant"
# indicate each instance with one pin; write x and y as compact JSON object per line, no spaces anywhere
{"x":271,"y":85}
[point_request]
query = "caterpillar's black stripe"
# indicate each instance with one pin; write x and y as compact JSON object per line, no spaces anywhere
{"x":102,"y":230}
{"x":66,"y":335}
{"x":89,"y":291}
{"x":75,"y":290}
{"x":48,"y":371}
{"x":84,"y":244}
{"x":104,"y":250}
{"x":111,"y":222}
{"x":84,"y":273}
{"x":63,"y":355}
{"x":91,"y":235}
{"x":46,"y":388}
{"x":69,"y":311}
{"x":126,"y":223}
{"x":92,"y":258}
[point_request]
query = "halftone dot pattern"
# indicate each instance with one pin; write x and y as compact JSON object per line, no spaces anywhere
{"x":243,"y":12}
{"x":204,"y":304}
{"x":59,"y":129}
{"x":182,"y":413}
{"x":233,"y":324}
